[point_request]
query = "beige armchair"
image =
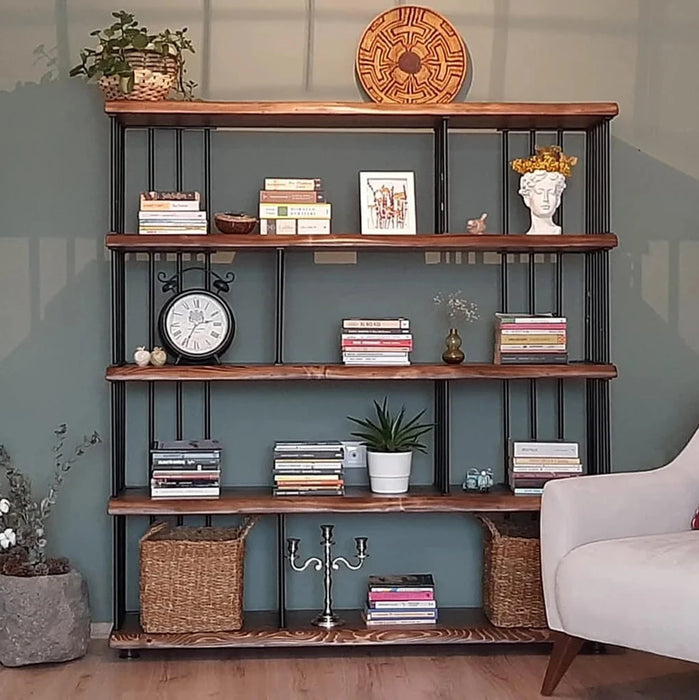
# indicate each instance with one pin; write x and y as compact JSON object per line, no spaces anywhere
{"x":620,"y":564}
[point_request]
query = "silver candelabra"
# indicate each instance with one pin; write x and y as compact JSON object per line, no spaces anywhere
{"x":327,"y":618}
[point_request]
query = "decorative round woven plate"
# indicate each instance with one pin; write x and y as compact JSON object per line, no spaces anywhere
{"x":411,"y":54}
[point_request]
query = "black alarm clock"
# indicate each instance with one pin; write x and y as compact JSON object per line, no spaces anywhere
{"x":197,"y":325}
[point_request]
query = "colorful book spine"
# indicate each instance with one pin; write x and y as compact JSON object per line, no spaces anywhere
{"x":293,"y":183}
{"x":292,"y":196}
{"x":295,"y":211}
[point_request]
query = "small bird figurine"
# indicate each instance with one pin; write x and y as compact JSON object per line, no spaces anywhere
{"x":477,"y":226}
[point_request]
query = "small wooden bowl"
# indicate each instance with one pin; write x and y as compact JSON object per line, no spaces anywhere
{"x":237,"y":223}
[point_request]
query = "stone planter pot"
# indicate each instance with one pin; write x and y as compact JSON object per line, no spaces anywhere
{"x":43,"y":618}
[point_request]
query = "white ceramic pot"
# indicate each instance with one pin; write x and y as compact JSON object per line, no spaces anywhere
{"x":389,"y":472}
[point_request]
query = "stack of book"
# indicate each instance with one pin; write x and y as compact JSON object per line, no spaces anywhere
{"x":309,"y":468}
{"x":171,"y":213}
{"x":376,"y":341}
{"x":530,"y":339}
{"x":401,"y":599}
{"x":185,"y":469}
{"x":294,"y":206}
{"x":532,"y":464}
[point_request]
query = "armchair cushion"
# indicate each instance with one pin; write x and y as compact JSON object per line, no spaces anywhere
{"x":639,"y":592}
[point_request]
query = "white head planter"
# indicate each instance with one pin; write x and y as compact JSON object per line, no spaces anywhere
{"x":541,"y":186}
{"x":541,"y":192}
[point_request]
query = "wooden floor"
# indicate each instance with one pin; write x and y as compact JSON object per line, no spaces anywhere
{"x":405,"y":673}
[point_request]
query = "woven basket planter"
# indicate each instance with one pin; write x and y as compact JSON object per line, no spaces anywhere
{"x":154,"y":76}
{"x":191,"y":578}
{"x":512,"y":592}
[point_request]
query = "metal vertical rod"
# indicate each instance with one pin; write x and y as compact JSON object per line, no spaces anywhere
{"x":118,"y":390}
{"x":151,"y":343}
{"x":605,"y":419}
{"x":120,"y":307}
{"x":151,"y":157}
{"x":178,"y":384}
{"x":441,"y":176}
{"x":281,"y":569}
{"x":207,"y":267}
{"x":558,"y":304}
{"x":444,"y":223}
{"x":504,"y":291}
{"x":119,"y":571}
{"x":207,"y":271}
{"x":444,"y":436}
{"x":437,"y":173}
{"x":178,"y":160}
{"x":279,"y":308}
{"x":151,"y":136}
{"x":438,"y":418}
{"x":207,"y":175}
{"x":114,"y":142}
{"x":533,"y":389}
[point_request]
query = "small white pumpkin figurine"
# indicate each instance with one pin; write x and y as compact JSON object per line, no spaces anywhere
{"x":141,"y":356}
{"x":158,"y":356}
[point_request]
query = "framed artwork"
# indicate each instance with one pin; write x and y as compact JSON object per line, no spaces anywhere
{"x":387,"y":202}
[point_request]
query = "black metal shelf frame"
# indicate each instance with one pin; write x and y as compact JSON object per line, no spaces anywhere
{"x":596,"y":318}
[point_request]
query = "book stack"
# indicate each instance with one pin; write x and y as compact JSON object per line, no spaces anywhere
{"x":294,"y":206}
{"x":185,"y":469}
{"x":376,"y":341}
{"x":530,"y":339}
{"x":171,"y":213}
{"x":401,"y":599}
{"x":309,"y":468}
{"x":532,"y":464}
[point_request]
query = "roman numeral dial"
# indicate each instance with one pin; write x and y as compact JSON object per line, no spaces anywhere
{"x":197,"y":325}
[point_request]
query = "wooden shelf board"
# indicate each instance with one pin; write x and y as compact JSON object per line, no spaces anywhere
{"x":420,"y":499}
{"x":290,"y":372}
{"x":515,"y":243}
{"x":456,"y":626}
{"x":339,"y":115}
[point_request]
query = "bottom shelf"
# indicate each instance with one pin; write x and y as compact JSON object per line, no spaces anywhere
{"x":456,"y":626}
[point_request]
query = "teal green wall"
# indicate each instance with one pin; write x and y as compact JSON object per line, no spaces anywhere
{"x":54,"y":274}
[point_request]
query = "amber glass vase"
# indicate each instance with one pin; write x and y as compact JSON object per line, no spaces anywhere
{"x":453,"y":355}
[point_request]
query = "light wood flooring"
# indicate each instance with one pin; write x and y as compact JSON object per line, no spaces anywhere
{"x":380,"y":673}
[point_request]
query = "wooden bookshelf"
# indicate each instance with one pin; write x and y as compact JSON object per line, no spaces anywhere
{"x":292,"y":372}
{"x":350,"y":115}
{"x":261,"y":629}
{"x":499,"y":243}
{"x":420,"y":499}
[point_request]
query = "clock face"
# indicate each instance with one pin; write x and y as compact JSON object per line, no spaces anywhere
{"x":197,"y":325}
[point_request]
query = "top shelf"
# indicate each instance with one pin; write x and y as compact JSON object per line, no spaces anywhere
{"x":352,"y":115}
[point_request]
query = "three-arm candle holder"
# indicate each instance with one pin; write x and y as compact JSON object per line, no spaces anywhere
{"x":327,"y":618}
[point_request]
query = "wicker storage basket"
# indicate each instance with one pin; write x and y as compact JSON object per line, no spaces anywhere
{"x":512,"y":591}
{"x":191,"y":578}
{"x":154,"y":77}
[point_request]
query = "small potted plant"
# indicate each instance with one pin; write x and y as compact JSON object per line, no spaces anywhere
{"x":391,"y":441}
{"x":130,"y":63}
{"x":44,"y":603}
{"x":456,"y":307}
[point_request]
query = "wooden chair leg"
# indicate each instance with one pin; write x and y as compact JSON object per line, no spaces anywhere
{"x":565,"y":649}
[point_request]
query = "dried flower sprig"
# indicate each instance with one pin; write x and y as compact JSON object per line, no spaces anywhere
{"x":457,"y":306}
{"x":24,"y":519}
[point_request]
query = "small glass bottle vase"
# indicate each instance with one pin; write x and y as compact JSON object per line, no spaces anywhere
{"x":453,"y":355}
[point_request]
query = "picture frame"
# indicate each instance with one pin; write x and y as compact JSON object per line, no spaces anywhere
{"x":387,"y":203}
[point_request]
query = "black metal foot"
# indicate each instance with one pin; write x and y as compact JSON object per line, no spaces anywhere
{"x":129,"y":654}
